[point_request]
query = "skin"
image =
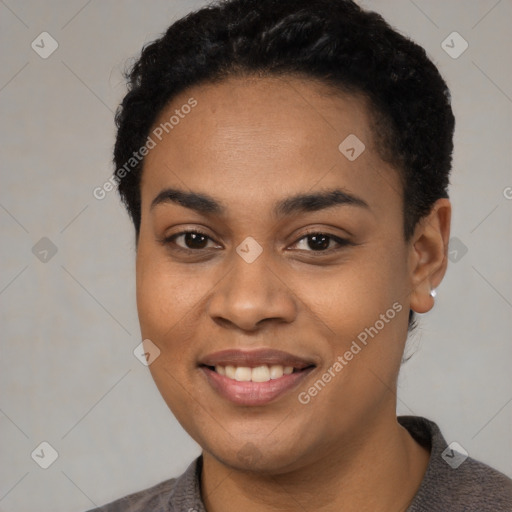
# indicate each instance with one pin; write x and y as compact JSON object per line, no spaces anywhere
{"x":250,"y":143}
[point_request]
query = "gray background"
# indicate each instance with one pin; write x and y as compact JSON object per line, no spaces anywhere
{"x":69,"y":325}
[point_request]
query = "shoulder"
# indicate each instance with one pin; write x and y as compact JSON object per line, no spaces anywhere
{"x":181,"y":493}
{"x":471,"y":487}
{"x":153,"y":498}
{"x":480,"y":485}
{"x":454,"y":481}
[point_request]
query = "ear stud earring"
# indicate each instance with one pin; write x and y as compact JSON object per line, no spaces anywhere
{"x":433,"y":293}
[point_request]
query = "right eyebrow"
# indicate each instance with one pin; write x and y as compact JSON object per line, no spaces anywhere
{"x":200,"y":203}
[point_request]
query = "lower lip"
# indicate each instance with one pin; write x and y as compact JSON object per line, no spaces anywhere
{"x":253,"y":393}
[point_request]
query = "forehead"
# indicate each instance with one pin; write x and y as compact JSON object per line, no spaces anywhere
{"x":246,"y":135}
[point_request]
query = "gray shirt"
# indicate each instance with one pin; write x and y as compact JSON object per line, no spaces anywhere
{"x":452,"y":483}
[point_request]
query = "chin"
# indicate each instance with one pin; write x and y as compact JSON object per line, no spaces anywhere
{"x":257,"y":459}
{"x":259,"y":453}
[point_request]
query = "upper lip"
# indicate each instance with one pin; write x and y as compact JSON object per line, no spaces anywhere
{"x":254,"y":358}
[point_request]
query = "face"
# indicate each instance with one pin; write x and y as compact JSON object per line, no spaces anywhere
{"x":237,"y":271}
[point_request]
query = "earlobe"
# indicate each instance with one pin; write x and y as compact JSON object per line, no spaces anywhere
{"x":421,"y":299}
{"x":428,"y":255}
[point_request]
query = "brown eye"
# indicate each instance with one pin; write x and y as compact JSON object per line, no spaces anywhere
{"x":318,"y":242}
{"x":188,"y":241}
{"x":321,"y":242}
{"x":194,"y":240}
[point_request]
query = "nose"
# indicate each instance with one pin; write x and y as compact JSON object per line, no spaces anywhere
{"x":250,"y":295}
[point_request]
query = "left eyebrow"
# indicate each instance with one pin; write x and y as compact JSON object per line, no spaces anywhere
{"x":300,"y":203}
{"x":317,"y":201}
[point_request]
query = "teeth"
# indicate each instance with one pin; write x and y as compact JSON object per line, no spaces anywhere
{"x":230,"y":371}
{"x":243,"y":373}
{"x":276,"y":371}
{"x":261,"y":373}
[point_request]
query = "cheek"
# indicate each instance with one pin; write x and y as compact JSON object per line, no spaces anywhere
{"x":166,"y":305}
{"x":172,"y":303}
{"x":355,"y":294}
{"x":363,"y":302}
{"x":362,"y":305}
{"x":164,"y":294}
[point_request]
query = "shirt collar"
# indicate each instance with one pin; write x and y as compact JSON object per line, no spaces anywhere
{"x":186,"y":495}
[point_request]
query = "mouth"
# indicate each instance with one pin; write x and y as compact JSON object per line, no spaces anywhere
{"x":254,"y":378}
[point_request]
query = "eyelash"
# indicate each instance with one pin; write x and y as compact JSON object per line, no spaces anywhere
{"x":342,"y":242}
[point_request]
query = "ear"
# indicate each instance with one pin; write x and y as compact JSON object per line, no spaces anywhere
{"x":428,"y":255}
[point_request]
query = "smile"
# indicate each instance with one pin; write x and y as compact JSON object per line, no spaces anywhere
{"x":254,"y":378}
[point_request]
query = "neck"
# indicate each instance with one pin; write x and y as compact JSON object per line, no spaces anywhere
{"x":380,"y":470}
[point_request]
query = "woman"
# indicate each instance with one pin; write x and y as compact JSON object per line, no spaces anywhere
{"x":286,"y":165}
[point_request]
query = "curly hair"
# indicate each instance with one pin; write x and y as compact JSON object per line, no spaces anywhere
{"x":332,"y":41}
